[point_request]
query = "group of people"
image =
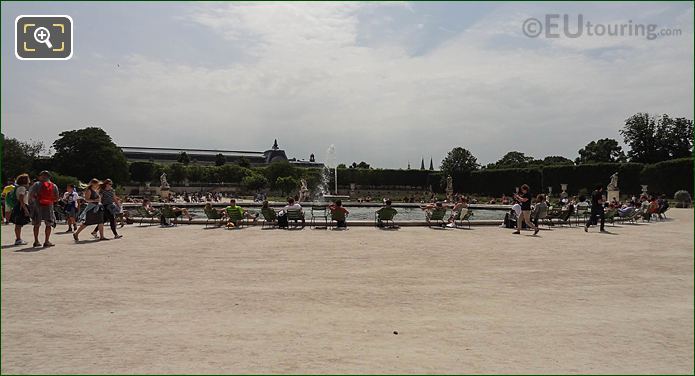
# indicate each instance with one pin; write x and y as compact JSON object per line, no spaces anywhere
{"x":26,"y":201}
{"x":37,"y":202}
{"x":458,"y":209}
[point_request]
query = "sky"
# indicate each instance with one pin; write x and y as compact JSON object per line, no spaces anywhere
{"x":386,"y":83}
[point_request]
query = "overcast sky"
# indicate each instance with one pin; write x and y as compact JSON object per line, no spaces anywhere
{"x":386,"y":83}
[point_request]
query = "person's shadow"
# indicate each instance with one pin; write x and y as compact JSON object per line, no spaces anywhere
{"x":27,"y":248}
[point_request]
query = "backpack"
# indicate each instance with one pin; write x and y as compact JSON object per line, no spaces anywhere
{"x":47,"y":194}
{"x":11,"y":198}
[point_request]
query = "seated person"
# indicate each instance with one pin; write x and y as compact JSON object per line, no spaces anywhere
{"x":291,"y":205}
{"x":177,"y":213}
{"x":339,"y":213}
{"x":583,"y":204}
{"x":268,"y":212}
{"x":431,"y":208}
{"x":212,"y":212}
{"x":459,"y":209}
{"x":513,"y":215}
{"x":147,"y":205}
{"x":663,"y":205}
{"x":626,"y":211}
{"x":386,"y":210}
{"x":243,"y":213}
{"x":505,"y":200}
{"x":653,"y":207}
{"x":540,"y":209}
{"x":615,"y":203}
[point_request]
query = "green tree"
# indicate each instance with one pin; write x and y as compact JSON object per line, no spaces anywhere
{"x":18,"y":157}
{"x":362,"y":164}
{"x":603,"y":150}
{"x":142,"y":172}
{"x":195,"y":173}
{"x":639,"y":133}
{"x":88,"y":153}
{"x":232,"y":173}
{"x":176,"y":173}
{"x":183,"y":158}
{"x":287,"y":184}
{"x":220,"y":160}
{"x":342,"y":165}
{"x":557,"y":160}
{"x":675,"y":137}
{"x":280,"y":169}
{"x":244,"y":162}
{"x":458,"y":161}
{"x":254,"y":182}
{"x":512,"y":159}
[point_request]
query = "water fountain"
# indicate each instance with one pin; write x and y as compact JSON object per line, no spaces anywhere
{"x":330,"y":166}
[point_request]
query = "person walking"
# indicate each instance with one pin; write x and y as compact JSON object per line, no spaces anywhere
{"x":525,"y":199}
{"x":596,"y":209}
{"x":93,"y":214}
{"x":42,"y":197}
{"x":108,"y":202}
{"x":20,"y":210}
{"x":70,"y":198}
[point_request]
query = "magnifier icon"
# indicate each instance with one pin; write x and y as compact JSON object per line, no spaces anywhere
{"x":42,"y":35}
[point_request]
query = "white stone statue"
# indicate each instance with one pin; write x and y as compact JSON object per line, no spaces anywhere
{"x":163,"y":179}
{"x":613,"y":185}
{"x":303,"y":190}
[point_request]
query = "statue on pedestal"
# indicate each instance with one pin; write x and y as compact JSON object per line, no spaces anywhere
{"x":163,"y":180}
{"x":613,"y":185}
{"x":303,"y":190}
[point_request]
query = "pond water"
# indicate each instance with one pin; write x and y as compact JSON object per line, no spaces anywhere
{"x":367,"y":213}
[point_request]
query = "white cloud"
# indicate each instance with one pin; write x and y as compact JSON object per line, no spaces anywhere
{"x":309,"y":82}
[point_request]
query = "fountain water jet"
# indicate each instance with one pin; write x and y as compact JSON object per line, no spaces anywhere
{"x":330,"y":164}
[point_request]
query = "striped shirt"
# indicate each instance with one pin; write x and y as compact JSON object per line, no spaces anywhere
{"x":107,"y":197}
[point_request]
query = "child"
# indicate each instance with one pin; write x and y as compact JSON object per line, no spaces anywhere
{"x":70,"y":199}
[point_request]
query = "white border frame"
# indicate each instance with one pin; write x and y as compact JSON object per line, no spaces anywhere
{"x":72,"y":37}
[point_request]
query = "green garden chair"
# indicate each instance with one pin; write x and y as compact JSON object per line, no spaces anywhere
{"x":610,"y":215}
{"x":270,"y":218}
{"x":466,"y":217}
{"x":144,"y":214}
{"x":235,"y":217}
{"x":319,"y":213}
{"x":214,"y":217}
{"x":384,"y":217}
{"x":295,"y":219}
{"x":436,"y":217}
{"x":168,"y":213}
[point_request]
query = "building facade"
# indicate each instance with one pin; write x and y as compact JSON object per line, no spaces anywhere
{"x":209,"y":156}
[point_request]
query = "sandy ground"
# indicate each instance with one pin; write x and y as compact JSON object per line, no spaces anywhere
{"x":189,"y":300}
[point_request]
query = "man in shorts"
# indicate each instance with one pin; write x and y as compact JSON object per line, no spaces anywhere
{"x":42,"y":196}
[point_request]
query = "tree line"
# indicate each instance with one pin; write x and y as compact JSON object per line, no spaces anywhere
{"x":650,"y":139}
{"x":90,"y":152}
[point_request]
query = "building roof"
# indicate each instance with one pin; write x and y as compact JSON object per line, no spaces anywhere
{"x":226,"y":153}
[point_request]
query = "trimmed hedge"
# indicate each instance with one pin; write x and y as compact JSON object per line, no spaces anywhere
{"x":664,"y":177}
{"x":669,"y":176}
